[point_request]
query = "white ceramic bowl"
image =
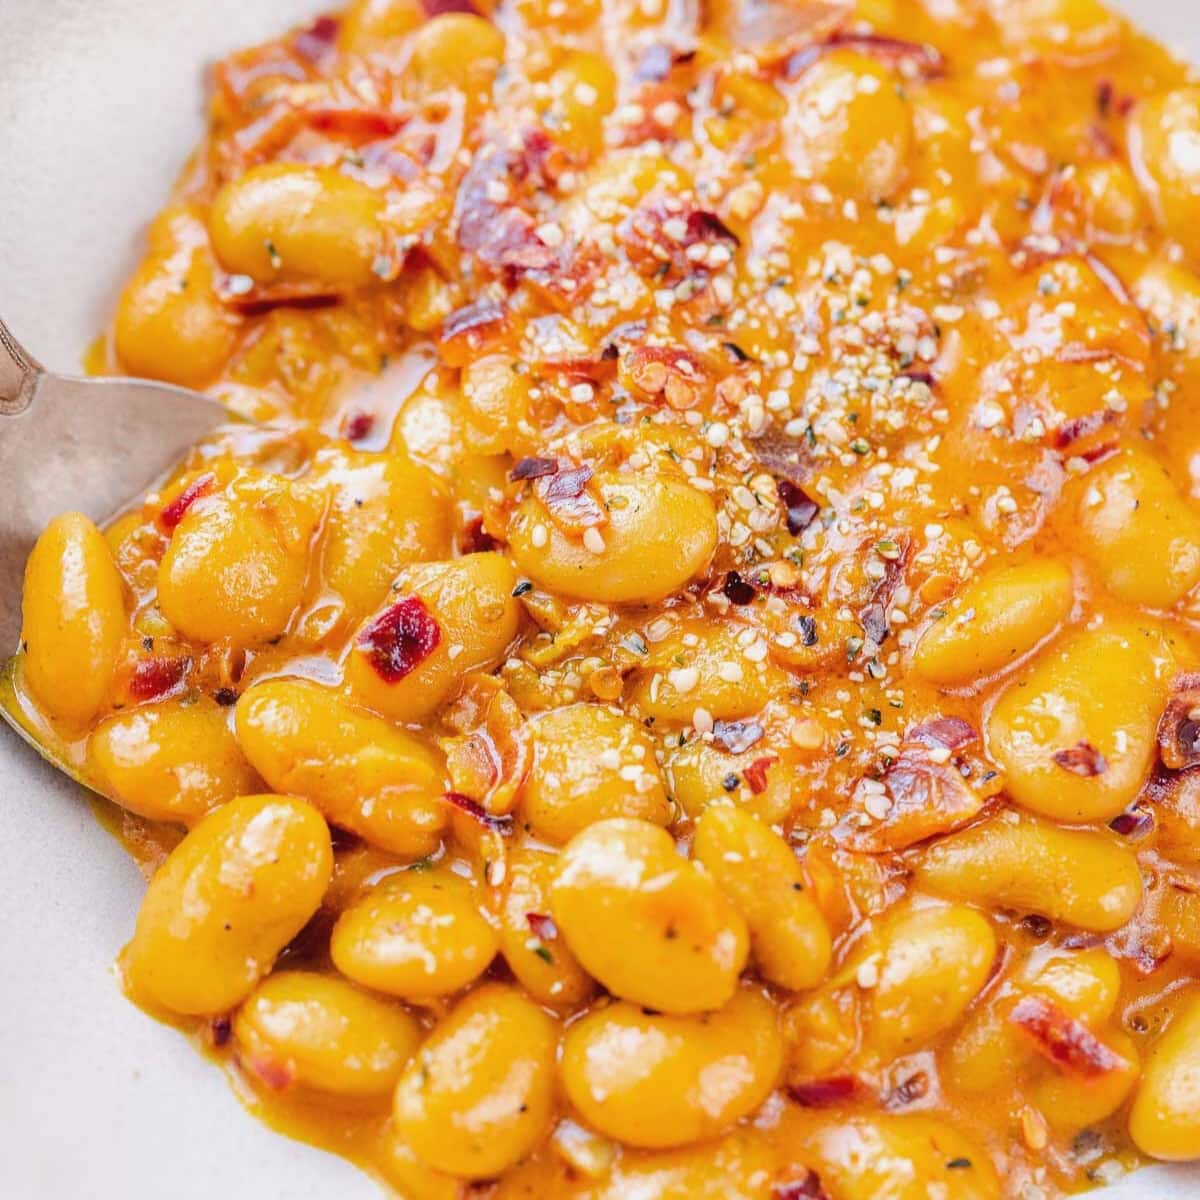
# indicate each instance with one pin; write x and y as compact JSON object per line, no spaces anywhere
{"x":100,"y":100}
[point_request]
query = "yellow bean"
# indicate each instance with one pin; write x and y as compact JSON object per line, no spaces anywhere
{"x":364,"y":774}
{"x":929,"y":964}
{"x":470,"y":601}
{"x":733,"y":1168}
{"x":659,"y":1081}
{"x":910,"y":1157}
{"x":1074,"y":32}
{"x":1069,"y":875}
{"x":660,"y":533}
{"x":229,"y":897}
{"x":170,"y":324}
{"x":1165,"y":1118}
{"x":615,"y":184}
{"x":699,"y":774}
{"x":994,"y":621}
{"x":529,"y":940}
{"x":682,"y":943}
{"x":412,"y":1178}
{"x":418,"y":934}
{"x":991,"y":1053}
{"x":73,"y":619}
{"x":1177,"y":817}
{"x":590,"y":763}
{"x":377,"y":24}
{"x":584,"y":91}
{"x":496,"y":402}
{"x":285,"y":222}
{"x":237,"y":563}
{"x":1111,"y":198}
{"x":1071,"y":1104}
{"x":708,"y":668}
{"x":316,"y":1031}
{"x":848,"y":127}
{"x":1076,"y":734}
{"x":1141,"y":534}
{"x":757,"y":870}
{"x":1163,"y":132}
{"x":386,"y":512}
{"x":171,"y":761}
{"x":479,"y":1094}
{"x":456,"y":50}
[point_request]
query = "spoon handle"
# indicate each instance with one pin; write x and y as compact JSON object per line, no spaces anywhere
{"x":18,"y":373}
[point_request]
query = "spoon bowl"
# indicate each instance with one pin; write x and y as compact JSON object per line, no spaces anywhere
{"x":83,"y":444}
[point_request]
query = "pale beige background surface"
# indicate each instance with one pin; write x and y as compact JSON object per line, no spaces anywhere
{"x":99,"y":100}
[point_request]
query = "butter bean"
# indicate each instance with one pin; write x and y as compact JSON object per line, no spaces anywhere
{"x":73,"y":619}
{"x":658,"y":1081}
{"x":364,"y":774}
{"x":682,"y":944}
{"x":418,"y":934}
{"x":479,"y":1094}
{"x":318,"y":1032}
{"x":227,"y":900}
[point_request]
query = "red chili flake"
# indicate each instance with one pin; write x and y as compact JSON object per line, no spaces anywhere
{"x":874,"y":623}
{"x":1104,"y":96}
{"x":400,"y":638}
{"x":359,"y":425}
{"x":543,"y":926}
{"x":822,"y":1093}
{"x":274,"y":1075}
{"x":706,"y":226}
{"x":736,"y":590}
{"x":174,"y":512}
{"x":365,"y":121}
{"x":156,"y":677}
{"x":801,"y":509}
{"x":925,"y":60}
{"x":926,"y":798}
{"x":467,"y":330}
{"x":221,"y":1030}
{"x":533,"y":468}
{"x":925,"y":377}
{"x":1178,"y":730}
{"x":675,"y":375}
{"x":504,"y":235}
{"x":250,"y":299}
{"x":1081,"y":427}
{"x":435,"y":8}
{"x":1082,"y":759}
{"x":785,"y":456}
{"x":756,"y":773}
{"x":475,"y":539}
{"x":1062,"y":1039}
{"x":568,"y":502}
{"x":564,"y":485}
{"x":315,"y":42}
{"x":952,"y":733}
{"x":1135,"y":824}
{"x":737,"y":737}
{"x":658,"y":234}
{"x":807,"y":1187}
{"x":476,"y":811}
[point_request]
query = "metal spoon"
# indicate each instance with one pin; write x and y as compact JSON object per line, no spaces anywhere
{"x":86,"y":445}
